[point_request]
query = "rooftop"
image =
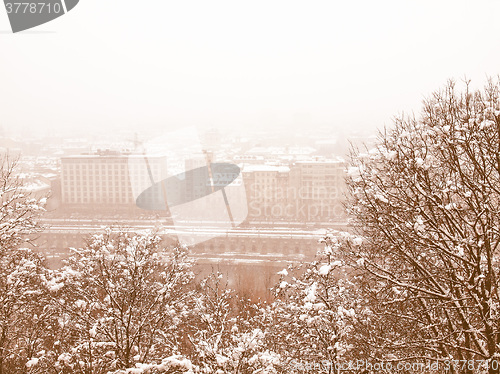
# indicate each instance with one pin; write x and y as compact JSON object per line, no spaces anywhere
{"x":266,"y":168}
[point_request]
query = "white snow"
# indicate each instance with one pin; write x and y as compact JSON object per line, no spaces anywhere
{"x":283,"y":272}
{"x":325,"y":269}
{"x":32,"y":362}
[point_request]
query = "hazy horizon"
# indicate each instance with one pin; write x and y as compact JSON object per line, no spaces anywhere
{"x":277,"y":66}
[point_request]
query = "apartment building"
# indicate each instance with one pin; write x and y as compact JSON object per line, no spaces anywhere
{"x":319,"y":187}
{"x":108,"y":178}
{"x":304,"y":190}
{"x":267,"y":190}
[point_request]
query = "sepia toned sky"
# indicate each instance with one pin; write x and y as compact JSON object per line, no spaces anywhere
{"x":280,"y":65}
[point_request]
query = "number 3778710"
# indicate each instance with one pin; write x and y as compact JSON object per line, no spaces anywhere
{"x":33,"y":8}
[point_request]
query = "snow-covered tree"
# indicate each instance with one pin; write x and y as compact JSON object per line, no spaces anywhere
{"x":426,"y":207}
{"x":26,"y":313}
{"x":19,"y":210}
{"x":122,"y":298}
{"x":176,"y":364}
{"x":24,"y":310}
{"x":223,"y":335}
{"x":311,"y":322}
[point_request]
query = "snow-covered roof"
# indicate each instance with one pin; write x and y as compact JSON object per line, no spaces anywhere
{"x":139,"y":156}
{"x":282,"y":150}
{"x":35,"y":186}
{"x":49,"y":175}
{"x":266,"y":168}
{"x":322,"y":161}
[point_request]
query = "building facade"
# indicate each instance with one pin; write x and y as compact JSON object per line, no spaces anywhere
{"x":303,"y":191}
{"x":319,"y":187}
{"x":108,"y":178}
{"x":267,"y":191}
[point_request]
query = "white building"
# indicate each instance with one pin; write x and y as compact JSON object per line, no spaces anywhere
{"x":107,"y":177}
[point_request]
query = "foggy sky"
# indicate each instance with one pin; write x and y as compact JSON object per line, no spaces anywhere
{"x":112,"y":64}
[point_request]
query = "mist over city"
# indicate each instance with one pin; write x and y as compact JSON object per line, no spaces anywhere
{"x":249,"y":187}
